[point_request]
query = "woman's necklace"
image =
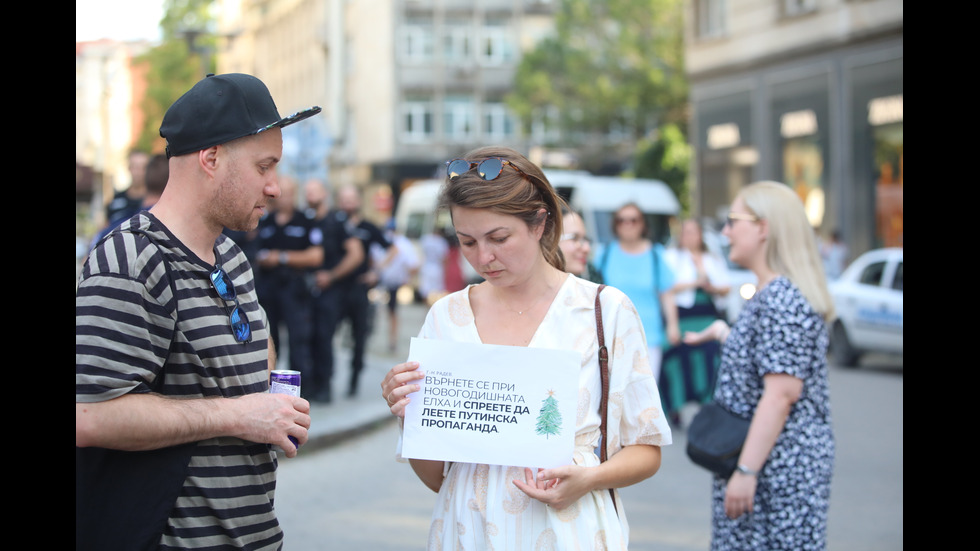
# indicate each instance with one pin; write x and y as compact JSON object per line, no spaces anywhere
{"x":533,"y":304}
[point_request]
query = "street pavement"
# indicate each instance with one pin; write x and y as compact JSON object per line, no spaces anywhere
{"x":668,"y":512}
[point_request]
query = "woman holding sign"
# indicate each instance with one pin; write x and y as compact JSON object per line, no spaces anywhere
{"x":507,"y":217}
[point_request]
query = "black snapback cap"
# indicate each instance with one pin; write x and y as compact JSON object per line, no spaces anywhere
{"x":222,"y":108}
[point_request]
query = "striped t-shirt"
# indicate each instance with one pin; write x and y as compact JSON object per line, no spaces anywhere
{"x":125,"y":313}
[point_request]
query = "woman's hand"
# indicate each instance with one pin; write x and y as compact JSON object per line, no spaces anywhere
{"x":558,"y":487}
{"x":674,"y":333}
{"x":398,"y":383}
{"x":718,"y":330}
{"x":739,"y":495}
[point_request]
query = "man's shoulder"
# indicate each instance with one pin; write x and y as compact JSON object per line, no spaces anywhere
{"x":134,"y":249}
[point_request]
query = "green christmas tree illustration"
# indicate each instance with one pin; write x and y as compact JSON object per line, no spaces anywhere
{"x":549,"y":419}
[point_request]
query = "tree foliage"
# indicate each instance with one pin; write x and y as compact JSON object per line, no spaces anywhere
{"x":611,"y":67}
{"x":181,"y":59}
{"x":666,"y":156}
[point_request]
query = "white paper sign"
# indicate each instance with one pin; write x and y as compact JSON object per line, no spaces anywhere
{"x":498,"y":405}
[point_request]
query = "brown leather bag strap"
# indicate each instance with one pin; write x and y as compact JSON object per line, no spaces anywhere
{"x":603,"y":373}
{"x":604,"y":377}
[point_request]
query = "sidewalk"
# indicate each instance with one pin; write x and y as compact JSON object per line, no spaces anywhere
{"x":345,"y":417}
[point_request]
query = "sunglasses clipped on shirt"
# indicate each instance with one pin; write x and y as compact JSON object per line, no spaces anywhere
{"x":488,"y":169}
{"x":226,"y":290}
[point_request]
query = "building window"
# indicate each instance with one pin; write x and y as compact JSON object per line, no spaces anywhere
{"x":793,"y":8}
{"x":459,"y":116}
{"x":457,"y":42}
{"x":711,"y":18}
{"x":496,"y":43}
{"x":886,"y":117}
{"x":417,"y":119}
{"x":803,"y":164}
{"x":498,"y":123}
{"x":416,"y":42}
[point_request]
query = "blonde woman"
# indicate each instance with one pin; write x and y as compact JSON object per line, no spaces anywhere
{"x":774,"y":372}
{"x":508,"y":220}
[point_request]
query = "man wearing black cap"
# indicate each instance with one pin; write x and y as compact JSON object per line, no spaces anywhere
{"x":174,"y":427}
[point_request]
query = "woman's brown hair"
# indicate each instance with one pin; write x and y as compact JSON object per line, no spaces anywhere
{"x":522,"y":192}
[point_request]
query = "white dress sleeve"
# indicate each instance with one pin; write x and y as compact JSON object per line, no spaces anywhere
{"x":635,"y":411}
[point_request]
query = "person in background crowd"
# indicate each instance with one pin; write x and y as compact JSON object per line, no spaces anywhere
{"x":355,"y":304}
{"x":432,"y":273}
{"x":635,"y":265}
{"x":834,"y":255}
{"x":174,"y":421}
{"x":394,"y":272}
{"x":129,"y":201}
{"x":156,"y":173}
{"x":688,"y":372}
{"x":508,"y":220}
{"x":399,"y":270}
{"x":774,"y":371}
{"x":342,"y":254}
{"x":288,"y":249}
{"x":576,"y":247}
{"x":452,"y":269}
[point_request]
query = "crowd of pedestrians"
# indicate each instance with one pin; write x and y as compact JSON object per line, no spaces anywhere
{"x":315,"y":265}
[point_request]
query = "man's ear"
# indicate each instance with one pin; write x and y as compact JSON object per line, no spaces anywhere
{"x":208,"y":160}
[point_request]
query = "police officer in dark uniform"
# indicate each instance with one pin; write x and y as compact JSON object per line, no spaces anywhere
{"x":288,"y":248}
{"x":342,"y":254}
{"x":355,"y":303}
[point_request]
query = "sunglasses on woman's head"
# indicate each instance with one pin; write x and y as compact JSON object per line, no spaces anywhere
{"x":488,"y":169}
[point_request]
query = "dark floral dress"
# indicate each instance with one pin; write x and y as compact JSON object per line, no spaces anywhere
{"x":779,"y":332}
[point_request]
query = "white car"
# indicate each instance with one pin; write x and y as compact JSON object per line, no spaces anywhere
{"x":868,"y":301}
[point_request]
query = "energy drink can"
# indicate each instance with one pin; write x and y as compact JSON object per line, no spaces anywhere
{"x":285,"y":381}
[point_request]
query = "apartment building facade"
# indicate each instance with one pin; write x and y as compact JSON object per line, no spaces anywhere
{"x":806,"y":92}
{"x":405,"y":84}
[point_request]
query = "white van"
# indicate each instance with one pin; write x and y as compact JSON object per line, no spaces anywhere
{"x":595,"y":197}
{"x":416,"y":215}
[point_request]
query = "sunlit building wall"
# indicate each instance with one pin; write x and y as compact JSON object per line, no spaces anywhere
{"x":107,"y":116}
{"x":807,"y":92}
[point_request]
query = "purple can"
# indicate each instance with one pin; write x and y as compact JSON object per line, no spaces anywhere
{"x":285,"y":381}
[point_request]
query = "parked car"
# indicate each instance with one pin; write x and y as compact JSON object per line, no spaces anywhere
{"x":868,"y":300}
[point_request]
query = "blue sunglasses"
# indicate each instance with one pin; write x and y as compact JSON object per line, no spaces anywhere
{"x":488,"y":169}
{"x":226,"y":290}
